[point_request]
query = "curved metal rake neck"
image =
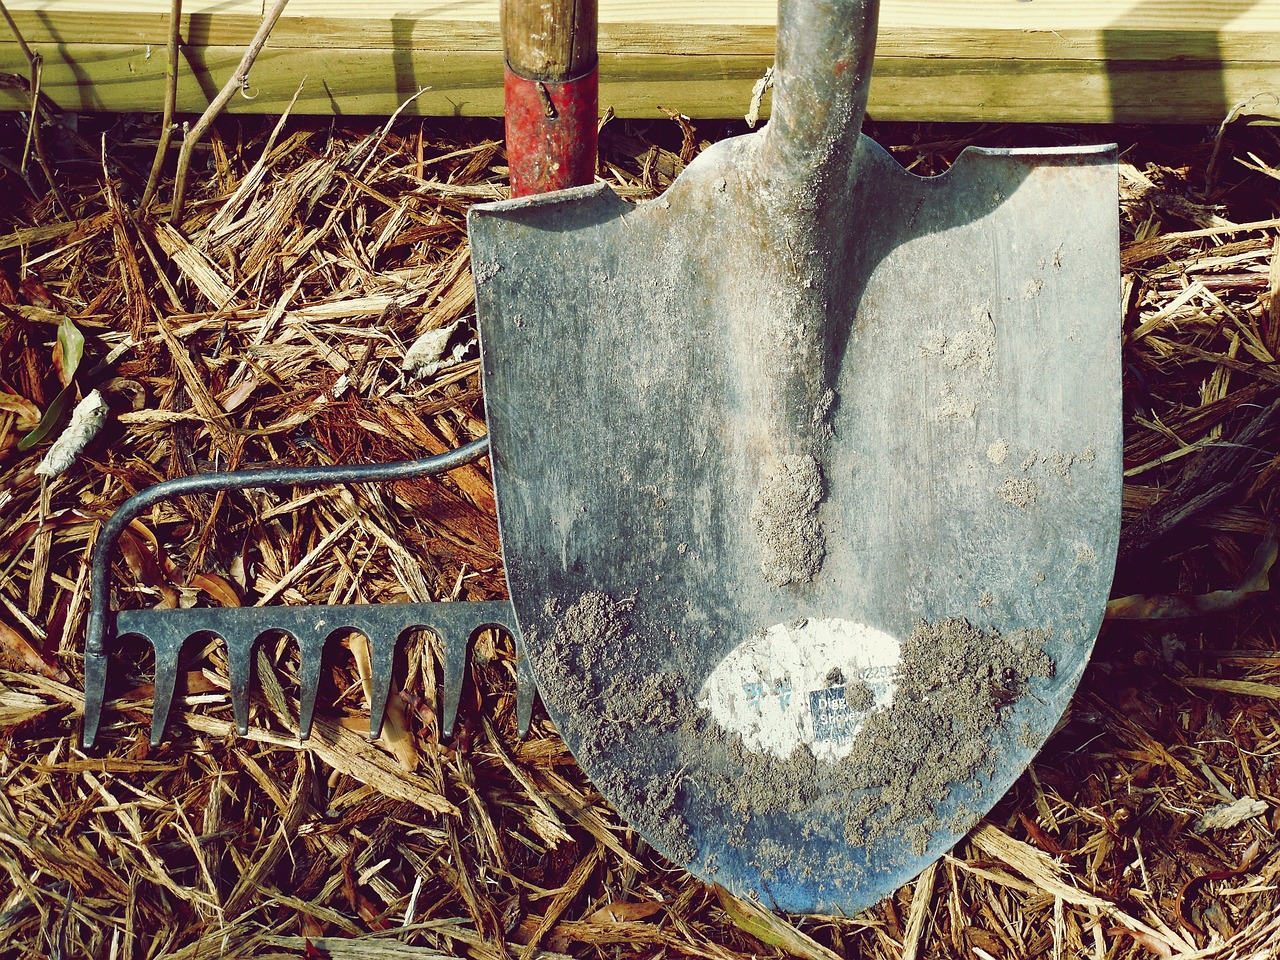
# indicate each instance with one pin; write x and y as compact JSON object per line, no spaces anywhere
{"x":99,"y":630}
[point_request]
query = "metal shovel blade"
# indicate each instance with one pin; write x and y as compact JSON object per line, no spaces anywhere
{"x":808,"y":477}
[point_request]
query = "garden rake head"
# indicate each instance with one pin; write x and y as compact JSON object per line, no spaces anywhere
{"x":455,"y":624}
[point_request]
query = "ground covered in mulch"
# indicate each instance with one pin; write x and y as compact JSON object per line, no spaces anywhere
{"x":271,"y":325}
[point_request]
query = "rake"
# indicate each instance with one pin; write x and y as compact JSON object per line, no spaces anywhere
{"x":454,"y":624}
{"x":551,"y":112}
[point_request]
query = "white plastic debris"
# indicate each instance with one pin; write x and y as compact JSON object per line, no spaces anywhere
{"x":757,"y":98}
{"x":86,"y":420}
{"x":1227,"y":815}
{"x":427,"y":356}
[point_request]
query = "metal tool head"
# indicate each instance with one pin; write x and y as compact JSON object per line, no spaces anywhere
{"x":384,"y":625}
{"x":808,"y":478}
{"x":453,"y":624}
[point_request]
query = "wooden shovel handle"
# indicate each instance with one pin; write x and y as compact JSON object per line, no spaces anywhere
{"x":550,"y":87}
{"x":549,"y":40}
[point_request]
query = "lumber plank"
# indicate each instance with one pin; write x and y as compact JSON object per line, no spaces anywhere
{"x":1050,"y":61}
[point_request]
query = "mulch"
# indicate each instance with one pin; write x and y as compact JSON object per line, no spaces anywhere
{"x":270,"y":326}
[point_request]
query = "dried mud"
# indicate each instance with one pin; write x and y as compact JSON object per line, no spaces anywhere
{"x":954,"y":684}
{"x":785,"y":517}
{"x":693,"y":787}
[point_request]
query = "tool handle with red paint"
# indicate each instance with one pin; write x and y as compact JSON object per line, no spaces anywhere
{"x":550,"y":88}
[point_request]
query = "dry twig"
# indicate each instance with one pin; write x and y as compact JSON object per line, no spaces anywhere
{"x":170,"y":104}
{"x":237,"y":84}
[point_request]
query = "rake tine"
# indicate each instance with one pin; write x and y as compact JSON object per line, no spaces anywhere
{"x":240,"y":667}
{"x":167,"y":644}
{"x":382,"y":659}
{"x":526,"y":688}
{"x":456,"y":624}
{"x":454,"y":642}
{"x":311,"y":651}
{"x":95,"y":693}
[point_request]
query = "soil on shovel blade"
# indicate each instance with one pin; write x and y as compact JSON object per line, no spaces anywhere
{"x":666,"y":762}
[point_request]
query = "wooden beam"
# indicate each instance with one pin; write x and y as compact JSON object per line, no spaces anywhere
{"x":1077,"y":61}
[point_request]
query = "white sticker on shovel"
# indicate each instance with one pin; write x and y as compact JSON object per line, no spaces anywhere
{"x":810,"y":682}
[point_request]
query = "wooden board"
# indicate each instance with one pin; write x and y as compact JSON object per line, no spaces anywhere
{"x":1049,"y":61}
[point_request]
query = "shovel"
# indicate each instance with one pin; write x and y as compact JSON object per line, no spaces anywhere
{"x":808,"y":478}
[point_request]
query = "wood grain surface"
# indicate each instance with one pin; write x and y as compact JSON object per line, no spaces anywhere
{"x":1047,"y":61}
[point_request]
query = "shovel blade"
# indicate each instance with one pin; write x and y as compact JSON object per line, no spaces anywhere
{"x":809,"y":528}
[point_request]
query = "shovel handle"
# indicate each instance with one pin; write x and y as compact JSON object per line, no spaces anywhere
{"x":550,"y":87}
{"x":821,"y":79}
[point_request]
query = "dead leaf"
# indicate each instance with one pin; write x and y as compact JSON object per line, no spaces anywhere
{"x":624,"y":911}
{"x":236,"y":397}
{"x":86,"y":422}
{"x":157,"y":550}
{"x":37,"y":294}
{"x":145,"y":568}
{"x":395,"y":736}
{"x":1153,"y":606}
{"x":199,"y":682}
{"x":1154,"y":946}
{"x":16,"y":645}
{"x":769,"y":928}
{"x":219,"y":588}
{"x":123,"y":390}
{"x":28,"y":413}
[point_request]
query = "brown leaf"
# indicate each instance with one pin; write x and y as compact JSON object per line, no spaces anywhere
{"x":624,"y":911}
{"x":396,"y":736}
{"x":1154,"y":606}
{"x":145,"y":568}
{"x":37,"y":294}
{"x":16,"y":646}
{"x":985,"y":941}
{"x":157,"y":551}
{"x":235,"y":398}
{"x":122,"y":390}
{"x":198,"y":682}
{"x":1154,"y":946}
{"x":219,"y":588}
{"x":27,"y":412}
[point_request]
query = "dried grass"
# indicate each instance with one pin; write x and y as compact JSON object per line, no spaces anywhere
{"x":270,"y":326}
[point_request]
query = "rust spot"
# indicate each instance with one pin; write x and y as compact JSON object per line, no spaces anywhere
{"x":840,"y":67}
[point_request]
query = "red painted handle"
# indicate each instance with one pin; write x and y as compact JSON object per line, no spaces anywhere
{"x":551,"y":93}
{"x":551,"y":133}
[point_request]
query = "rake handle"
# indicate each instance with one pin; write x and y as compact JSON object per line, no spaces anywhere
{"x":550,"y":87}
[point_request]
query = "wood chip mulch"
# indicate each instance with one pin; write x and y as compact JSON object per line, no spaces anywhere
{"x":271,"y":326}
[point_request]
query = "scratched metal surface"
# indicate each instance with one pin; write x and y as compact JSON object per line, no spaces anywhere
{"x":946,"y":350}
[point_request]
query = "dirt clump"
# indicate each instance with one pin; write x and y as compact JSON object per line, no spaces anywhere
{"x":1019,"y":492}
{"x":608,"y":709}
{"x":859,"y":696}
{"x":785,"y":517}
{"x":693,"y":787}
{"x":953,"y":686}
